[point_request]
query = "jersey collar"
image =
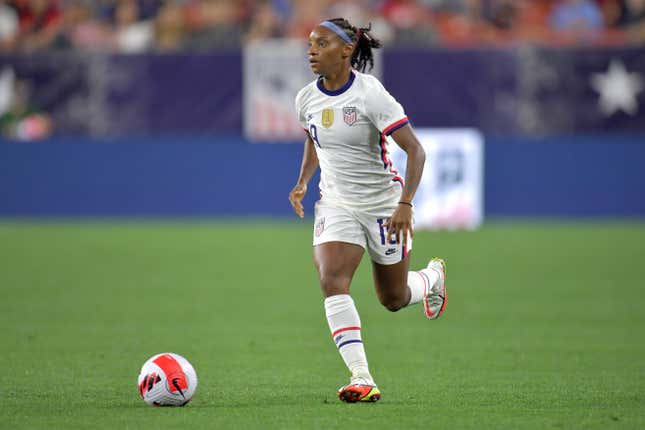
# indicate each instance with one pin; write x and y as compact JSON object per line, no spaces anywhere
{"x":339,"y":91}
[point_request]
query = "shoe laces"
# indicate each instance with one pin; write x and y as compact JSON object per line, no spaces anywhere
{"x":435,"y":300}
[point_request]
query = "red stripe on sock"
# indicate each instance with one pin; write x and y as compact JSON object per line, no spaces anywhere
{"x":340,"y":330}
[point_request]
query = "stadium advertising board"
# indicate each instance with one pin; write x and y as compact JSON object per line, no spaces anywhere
{"x":450,"y":195}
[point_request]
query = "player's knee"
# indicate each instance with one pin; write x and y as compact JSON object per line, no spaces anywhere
{"x":393,"y":307}
{"x":392,"y":304}
{"x":334,"y":284}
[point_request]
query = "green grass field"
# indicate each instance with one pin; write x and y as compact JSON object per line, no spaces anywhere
{"x":545,"y":328}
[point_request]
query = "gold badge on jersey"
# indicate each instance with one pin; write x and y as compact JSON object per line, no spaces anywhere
{"x":327,"y":118}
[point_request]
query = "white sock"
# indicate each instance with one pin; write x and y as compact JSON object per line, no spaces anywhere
{"x":418,"y":282}
{"x":345,"y":326}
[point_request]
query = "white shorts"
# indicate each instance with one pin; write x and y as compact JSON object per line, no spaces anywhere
{"x":338,"y":224}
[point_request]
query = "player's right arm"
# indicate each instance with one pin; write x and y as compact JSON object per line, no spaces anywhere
{"x":307,"y":169}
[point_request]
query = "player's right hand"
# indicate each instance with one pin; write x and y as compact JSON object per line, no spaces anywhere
{"x":295,"y":197}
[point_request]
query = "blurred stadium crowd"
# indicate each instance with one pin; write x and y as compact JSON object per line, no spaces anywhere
{"x":132,"y":26}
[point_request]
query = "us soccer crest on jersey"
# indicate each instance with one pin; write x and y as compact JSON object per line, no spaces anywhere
{"x":349,"y":115}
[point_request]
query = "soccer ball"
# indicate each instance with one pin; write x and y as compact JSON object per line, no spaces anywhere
{"x":167,"y":379}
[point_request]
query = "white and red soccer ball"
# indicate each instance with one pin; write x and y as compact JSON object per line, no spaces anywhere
{"x":167,"y":379}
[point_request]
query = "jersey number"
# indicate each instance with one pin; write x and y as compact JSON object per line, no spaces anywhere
{"x":314,"y":134}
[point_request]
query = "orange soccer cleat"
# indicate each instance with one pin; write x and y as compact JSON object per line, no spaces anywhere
{"x":359,"y":390}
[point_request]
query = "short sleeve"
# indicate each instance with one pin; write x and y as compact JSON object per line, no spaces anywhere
{"x":383,"y":110}
{"x":300,"y":110}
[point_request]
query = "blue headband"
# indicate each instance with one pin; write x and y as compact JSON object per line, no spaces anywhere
{"x":336,"y":29}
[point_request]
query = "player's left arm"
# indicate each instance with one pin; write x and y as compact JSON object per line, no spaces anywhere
{"x":401,"y":220}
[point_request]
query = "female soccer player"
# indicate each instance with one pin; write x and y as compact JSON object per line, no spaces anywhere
{"x":364,"y":204}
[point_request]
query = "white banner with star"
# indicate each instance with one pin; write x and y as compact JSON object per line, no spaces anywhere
{"x":274,"y":72}
{"x":618,"y":89}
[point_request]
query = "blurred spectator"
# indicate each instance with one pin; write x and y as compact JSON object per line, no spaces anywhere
{"x":633,"y":12}
{"x":266,"y":23}
{"x":502,"y":14}
{"x":22,"y":121}
{"x":131,"y":34}
{"x":148,"y":9}
{"x":632,"y":19}
{"x":169,"y":25}
{"x":170,"y":31}
{"x":449,"y":6}
{"x":215,"y":24}
{"x":577,"y":20}
{"x":459,"y":22}
{"x":356,"y":12}
{"x":82,"y":30}
{"x":8,"y":27}
{"x":40,"y":22}
{"x":532,"y":21}
{"x":360,"y":14}
{"x":281,"y":7}
{"x":516,"y":21}
{"x":611,"y":12}
{"x":305,"y":16}
{"x":411,"y":22}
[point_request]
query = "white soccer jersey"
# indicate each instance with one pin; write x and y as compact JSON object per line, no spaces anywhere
{"x":348,"y":127}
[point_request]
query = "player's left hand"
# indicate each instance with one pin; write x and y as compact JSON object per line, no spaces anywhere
{"x":400,"y":224}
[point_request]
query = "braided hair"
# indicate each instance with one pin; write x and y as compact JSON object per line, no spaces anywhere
{"x":363,"y":43}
